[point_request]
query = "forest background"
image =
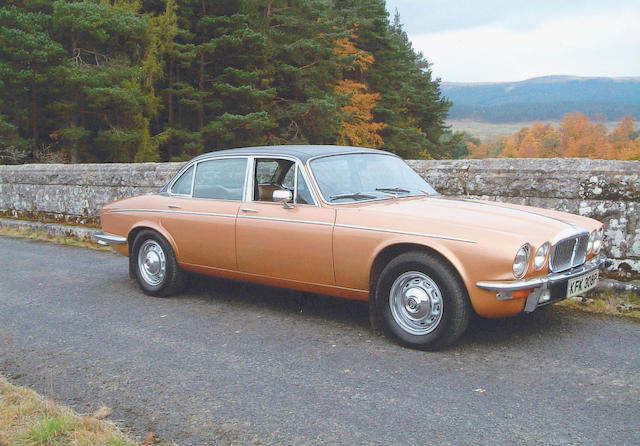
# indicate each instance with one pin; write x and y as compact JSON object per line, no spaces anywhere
{"x":159,"y":80}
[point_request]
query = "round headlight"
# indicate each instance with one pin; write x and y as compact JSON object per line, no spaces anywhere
{"x":521,"y":262}
{"x":597,"y":243}
{"x":592,"y":238}
{"x":541,"y":256}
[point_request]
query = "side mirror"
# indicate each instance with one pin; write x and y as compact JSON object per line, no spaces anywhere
{"x":283,"y":196}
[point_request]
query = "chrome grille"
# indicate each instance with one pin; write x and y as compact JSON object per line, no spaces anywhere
{"x":569,"y":252}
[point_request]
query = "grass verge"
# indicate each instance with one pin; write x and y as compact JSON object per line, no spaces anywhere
{"x":28,"y":419}
{"x":39,"y":234}
{"x":607,"y":302}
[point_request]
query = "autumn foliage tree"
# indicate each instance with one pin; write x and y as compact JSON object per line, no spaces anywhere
{"x":576,"y":137}
{"x":358,"y":127}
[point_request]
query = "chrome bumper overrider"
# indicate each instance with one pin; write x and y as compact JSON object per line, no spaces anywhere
{"x":538,"y":285}
{"x":109,"y":239}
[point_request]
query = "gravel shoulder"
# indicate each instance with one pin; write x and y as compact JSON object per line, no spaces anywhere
{"x":232,"y":363}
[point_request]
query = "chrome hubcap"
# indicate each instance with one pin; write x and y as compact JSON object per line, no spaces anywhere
{"x":416,"y":303}
{"x":152,"y":263}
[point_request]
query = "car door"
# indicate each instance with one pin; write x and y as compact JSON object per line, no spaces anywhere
{"x":201,"y":212}
{"x":284,"y":241}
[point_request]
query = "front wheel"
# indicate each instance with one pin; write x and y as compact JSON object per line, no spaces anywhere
{"x":156,"y":269}
{"x":421,"y":302}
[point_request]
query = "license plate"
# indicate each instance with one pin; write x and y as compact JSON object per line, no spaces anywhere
{"x":581,"y":284}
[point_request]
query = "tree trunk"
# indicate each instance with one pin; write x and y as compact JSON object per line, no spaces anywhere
{"x":201,"y":81}
{"x":201,"y":90}
{"x":171,"y":63}
{"x":34,"y":111}
{"x":267,"y":15}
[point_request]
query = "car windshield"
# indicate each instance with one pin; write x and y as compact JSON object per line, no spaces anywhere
{"x":366,"y":176}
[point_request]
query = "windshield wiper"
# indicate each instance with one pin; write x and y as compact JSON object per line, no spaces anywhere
{"x":355,"y":196}
{"x":398,"y":190}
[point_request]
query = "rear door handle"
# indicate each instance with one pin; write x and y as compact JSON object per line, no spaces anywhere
{"x":174,"y":206}
{"x":249,"y":210}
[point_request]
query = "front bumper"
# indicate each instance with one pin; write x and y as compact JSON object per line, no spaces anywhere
{"x":553,"y":283}
{"x":105,"y":239}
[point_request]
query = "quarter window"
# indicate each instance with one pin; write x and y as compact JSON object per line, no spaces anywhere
{"x":221,"y":179}
{"x":183,"y":185}
{"x":303,"y":195}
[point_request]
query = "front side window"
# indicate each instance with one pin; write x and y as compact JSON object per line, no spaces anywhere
{"x":270,"y":175}
{"x":221,"y":179}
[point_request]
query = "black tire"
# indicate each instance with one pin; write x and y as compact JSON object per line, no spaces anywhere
{"x":429,"y":308}
{"x":155,"y":266}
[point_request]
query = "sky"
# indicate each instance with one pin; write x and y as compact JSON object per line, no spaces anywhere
{"x":500,"y":41}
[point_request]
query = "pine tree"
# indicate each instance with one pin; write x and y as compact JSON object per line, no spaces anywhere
{"x":27,"y":57}
{"x":411,"y":105}
{"x":103,"y":79}
{"x":301,"y":36}
{"x":144,"y":80}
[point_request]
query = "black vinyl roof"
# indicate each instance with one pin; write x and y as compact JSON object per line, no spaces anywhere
{"x":302,"y":152}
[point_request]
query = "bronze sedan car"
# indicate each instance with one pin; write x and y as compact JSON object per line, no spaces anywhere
{"x":356,"y":223}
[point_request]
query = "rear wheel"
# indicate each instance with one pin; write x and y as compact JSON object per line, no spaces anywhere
{"x":421,"y":302}
{"x":156,"y":269}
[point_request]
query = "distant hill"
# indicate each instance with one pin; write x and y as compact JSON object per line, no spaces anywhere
{"x":544,"y":98}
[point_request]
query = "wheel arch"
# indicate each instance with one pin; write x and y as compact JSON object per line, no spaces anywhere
{"x":392,"y":251}
{"x":388,"y":253}
{"x":137,"y":229}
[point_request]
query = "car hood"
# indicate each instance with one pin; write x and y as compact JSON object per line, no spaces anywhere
{"x":463,"y":218}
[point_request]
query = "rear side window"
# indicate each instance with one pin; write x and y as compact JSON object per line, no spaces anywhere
{"x":221,"y":179}
{"x":183,"y":185}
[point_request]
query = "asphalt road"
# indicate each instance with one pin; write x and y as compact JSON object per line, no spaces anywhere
{"x":230,"y":363}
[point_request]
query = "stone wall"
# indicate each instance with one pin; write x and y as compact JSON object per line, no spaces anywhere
{"x":608,"y":191}
{"x":74,"y":193}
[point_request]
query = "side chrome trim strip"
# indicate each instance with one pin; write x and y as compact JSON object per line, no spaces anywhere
{"x":286,"y":220}
{"x":394,"y":231}
{"x":308,"y":222}
{"x":163,"y":211}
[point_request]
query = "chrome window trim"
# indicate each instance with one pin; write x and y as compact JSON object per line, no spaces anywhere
{"x":295,"y":183}
{"x":248,"y":179}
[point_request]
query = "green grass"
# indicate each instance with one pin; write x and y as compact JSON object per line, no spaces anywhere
{"x":40,"y":234}
{"x":608,"y":302}
{"x":28,"y":419}
{"x":49,"y":430}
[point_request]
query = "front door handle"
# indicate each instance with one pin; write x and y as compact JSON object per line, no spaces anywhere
{"x":249,"y":210}
{"x":174,"y":206}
